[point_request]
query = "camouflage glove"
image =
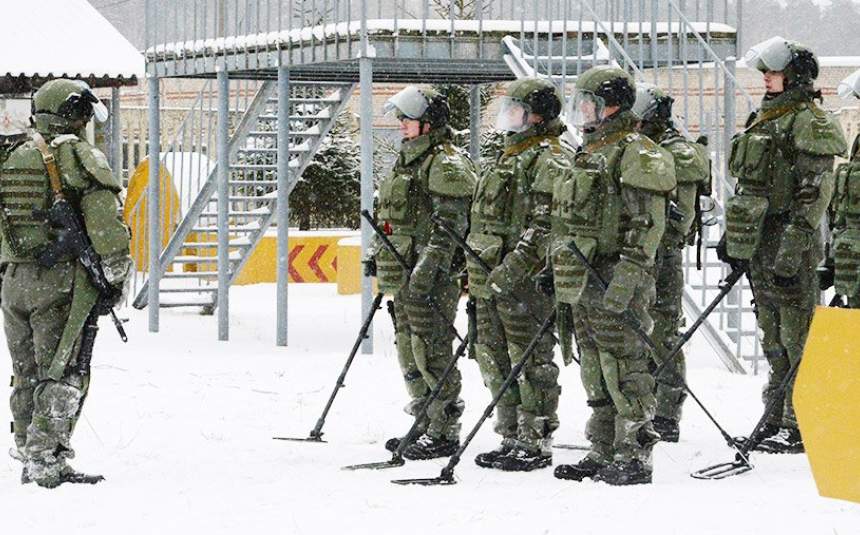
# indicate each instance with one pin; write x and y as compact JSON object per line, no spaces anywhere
{"x":723,"y":255}
{"x":117,"y":269}
{"x":502,"y":280}
{"x":423,"y":275}
{"x":796,"y":240}
{"x":625,"y":280}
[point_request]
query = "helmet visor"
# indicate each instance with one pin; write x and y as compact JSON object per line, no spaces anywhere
{"x":409,"y":103}
{"x":646,"y":101}
{"x":850,"y":86}
{"x":513,"y":115}
{"x":100,"y":111}
{"x":586,"y":110}
{"x":771,"y":55}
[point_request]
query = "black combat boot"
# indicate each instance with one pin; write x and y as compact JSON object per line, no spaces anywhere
{"x":584,"y":469}
{"x":766,"y":431}
{"x":520,"y":459}
{"x":486,"y":459}
{"x":667,"y":428}
{"x":625,"y":473}
{"x":427,"y":447}
{"x":787,"y":440}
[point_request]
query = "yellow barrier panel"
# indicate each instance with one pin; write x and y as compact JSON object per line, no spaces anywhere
{"x":827,"y":401}
{"x":135,"y":210}
{"x":313,"y":258}
{"x":349,"y":266}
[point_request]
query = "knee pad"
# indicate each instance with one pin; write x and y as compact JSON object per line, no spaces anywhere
{"x":54,"y":399}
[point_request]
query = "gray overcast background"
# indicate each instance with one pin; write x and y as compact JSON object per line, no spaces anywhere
{"x":831,"y":27}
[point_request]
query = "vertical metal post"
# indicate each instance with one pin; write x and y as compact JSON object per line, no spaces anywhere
{"x":365,"y":73}
{"x":222,"y":141}
{"x":115,"y":134}
{"x":654,"y":62}
{"x":153,"y":212}
{"x":475,"y":124}
{"x":739,"y":24}
{"x":283,"y":215}
{"x":730,"y":111}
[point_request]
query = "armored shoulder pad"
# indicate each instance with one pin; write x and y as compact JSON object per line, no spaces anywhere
{"x":817,"y":132}
{"x":646,"y":165}
{"x":691,"y":160}
{"x":96,"y":165}
{"x":451,"y":173}
{"x":553,"y":163}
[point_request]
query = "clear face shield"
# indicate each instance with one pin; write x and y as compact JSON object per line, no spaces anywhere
{"x":513,"y":115}
{"x":849,"y":87}
{"x":410,"y":103}
{"x":646,"y":101}
{"x":773,"y":54}
{"x":586,"y":110}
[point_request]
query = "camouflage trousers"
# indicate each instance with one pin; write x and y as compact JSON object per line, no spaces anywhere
{"x":424,"y":349}
{"x":668,"y":319}
{"x":616,"y":374}
{"x":35,"y":304}
{"x":527,"y":414}
{"x":784,"y":314}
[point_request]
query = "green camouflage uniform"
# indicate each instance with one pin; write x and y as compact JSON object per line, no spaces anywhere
{"x":613,"y":206}
{"x":45,"y":308}
{"x":692,"y":172}
{"x":845,"y":219}
{"x":783,"y":161}
{"x":431,"y":176}
{"x":509,"y":229}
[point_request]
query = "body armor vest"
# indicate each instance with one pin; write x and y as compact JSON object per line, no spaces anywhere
{"x":405,"y":206}
{"x":846,"y":221}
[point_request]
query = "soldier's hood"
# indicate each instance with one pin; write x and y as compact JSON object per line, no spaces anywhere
{"x":622,"y":121}
{"x":548,"y":128}
{"x":412,"y":149}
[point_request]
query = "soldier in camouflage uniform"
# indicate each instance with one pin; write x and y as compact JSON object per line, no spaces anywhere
{"x":783,"y":161}
{"x":431,"y":176}
{"x":45,"y":307}
{"x":692,"y":172}
{"x":510,"y":224}
{"x":844,"y":268}
{"x":613,"y":207}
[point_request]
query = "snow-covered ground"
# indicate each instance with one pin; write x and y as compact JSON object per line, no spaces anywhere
{"x":181,"y":426}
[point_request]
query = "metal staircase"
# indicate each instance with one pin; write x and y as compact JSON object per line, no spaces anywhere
{"x":187,"y":264}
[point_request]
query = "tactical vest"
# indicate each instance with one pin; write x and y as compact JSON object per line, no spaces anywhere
{"x":25,"y":195}
{"x":762,"y":159}
{"x":501,"y":208}
{"x":405,"y":206}
{"x":586,"y":209}
{"x":692,"y":166}
{"x":846,"y":239}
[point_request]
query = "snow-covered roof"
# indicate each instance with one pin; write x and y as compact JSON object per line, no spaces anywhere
{"x":43,"y":39}
{"x":412,"y":26}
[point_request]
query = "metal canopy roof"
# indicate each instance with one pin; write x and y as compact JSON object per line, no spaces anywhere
{"x":44,"y":39}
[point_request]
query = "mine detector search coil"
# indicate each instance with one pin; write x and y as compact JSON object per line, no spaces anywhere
{"x":397,"y":456}
{"x":446,"y":477}
{"x":316,"y":433}
{"x":74,"y":241}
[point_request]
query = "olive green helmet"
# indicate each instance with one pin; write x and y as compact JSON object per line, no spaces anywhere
{"x":599,"y":88}
{"x":64,"y":106}
{"x":796,"y":61}
{"x":423,"y":104}
{"x":537,"y":96}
